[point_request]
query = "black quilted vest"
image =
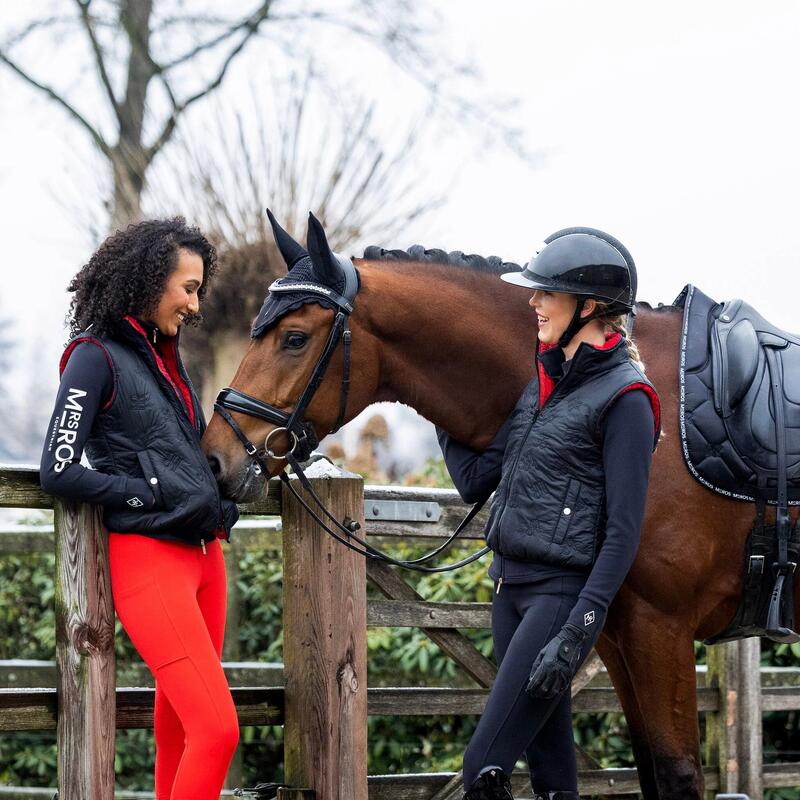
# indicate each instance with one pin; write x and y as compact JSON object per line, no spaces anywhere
{"x":146,"y":432}
{"x":550,"y":505}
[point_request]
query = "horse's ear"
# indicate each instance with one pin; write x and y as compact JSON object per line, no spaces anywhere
{"x":291,"y":250}
{"x":326,"y":266}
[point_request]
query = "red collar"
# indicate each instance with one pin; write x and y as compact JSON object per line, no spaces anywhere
{"x":546,"y":383}
{"x":612,"y":337}
{"x":167,"y":363}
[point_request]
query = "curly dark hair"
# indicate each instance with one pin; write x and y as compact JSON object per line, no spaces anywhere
{"x":128,"y":272}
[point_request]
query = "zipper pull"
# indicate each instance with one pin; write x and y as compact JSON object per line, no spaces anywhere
{"x":499,"y":584}
{"x":203,"y":545}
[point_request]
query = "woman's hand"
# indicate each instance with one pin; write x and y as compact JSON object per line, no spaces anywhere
{"x":557,"y":663}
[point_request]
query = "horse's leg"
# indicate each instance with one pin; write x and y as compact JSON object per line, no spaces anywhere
{"x":623,"y":685}
{"x":658,"y":653}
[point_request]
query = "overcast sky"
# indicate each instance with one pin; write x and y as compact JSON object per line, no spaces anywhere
{"x":673,"y":126}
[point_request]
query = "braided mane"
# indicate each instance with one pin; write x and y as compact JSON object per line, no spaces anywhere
{"x":418,"y":254}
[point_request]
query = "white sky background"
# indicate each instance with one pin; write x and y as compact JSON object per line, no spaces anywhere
{"x":675,"y":127}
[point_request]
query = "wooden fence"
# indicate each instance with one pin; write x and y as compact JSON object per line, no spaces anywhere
{"x":322,"y":700}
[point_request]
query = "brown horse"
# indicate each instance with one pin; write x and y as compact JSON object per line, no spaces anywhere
{"x":456,"y":343}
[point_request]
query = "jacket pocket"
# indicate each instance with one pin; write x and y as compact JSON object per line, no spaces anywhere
{"x":567,"y":511}
{"x":151,"y":476}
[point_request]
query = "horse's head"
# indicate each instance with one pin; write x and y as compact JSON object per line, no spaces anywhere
{"x":293,"y":385}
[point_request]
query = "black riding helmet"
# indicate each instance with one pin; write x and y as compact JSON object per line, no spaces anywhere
{"x":588,"y":263}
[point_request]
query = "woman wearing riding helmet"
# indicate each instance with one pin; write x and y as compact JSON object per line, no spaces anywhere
{"x":126,"y":400}
{"x":570,"y":467}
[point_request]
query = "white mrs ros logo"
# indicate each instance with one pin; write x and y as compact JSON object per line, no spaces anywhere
{"x":68,"y":428}
{"x":588,"y":618}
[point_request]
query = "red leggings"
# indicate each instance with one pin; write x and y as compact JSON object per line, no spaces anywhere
{"x":171,"y":600}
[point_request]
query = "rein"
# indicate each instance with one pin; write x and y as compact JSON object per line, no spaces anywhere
{"x":349,"y":527}
{"x":303,"y":437}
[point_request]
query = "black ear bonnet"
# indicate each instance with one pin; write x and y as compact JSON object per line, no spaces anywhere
{"x":317,"y":275}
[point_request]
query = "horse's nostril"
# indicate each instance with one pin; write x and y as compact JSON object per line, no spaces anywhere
{"x":215,"y":464}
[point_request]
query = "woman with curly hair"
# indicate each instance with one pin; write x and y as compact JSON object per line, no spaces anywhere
{"x":126,"y":400}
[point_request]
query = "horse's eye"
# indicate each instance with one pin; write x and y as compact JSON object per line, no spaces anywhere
{"x":294,"y":340}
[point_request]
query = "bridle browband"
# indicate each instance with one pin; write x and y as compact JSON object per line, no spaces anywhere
{"x":303,"y":437}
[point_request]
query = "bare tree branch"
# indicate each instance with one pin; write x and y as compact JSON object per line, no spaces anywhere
{"x":166,"y":84}
{"x":83,"y":7}
{"x":252,"y":23}
{"x":194,"y":20}
{"x":93,"y":132}
{"x":402,"y":44}
{"x":169,"y":127}
{"x":406,"y":32}
{"x":31,"y":27}
{"x":429,"y":68}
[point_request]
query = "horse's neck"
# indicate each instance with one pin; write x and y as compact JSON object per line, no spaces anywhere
{"x":455,"y":344}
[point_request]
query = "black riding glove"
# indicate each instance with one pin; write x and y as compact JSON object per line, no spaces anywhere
{"x":557,"y":663}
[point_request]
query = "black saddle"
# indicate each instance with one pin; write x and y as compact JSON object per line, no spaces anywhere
{"x":740,"y":423}
{"x":739,"y":375}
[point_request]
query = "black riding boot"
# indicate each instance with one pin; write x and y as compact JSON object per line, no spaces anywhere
{"x":492,"y":784}
{"x":557,"y":796}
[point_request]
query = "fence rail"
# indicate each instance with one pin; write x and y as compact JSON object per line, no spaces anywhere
{"x":319,"y":694}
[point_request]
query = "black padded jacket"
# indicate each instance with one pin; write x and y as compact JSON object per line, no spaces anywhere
{"x":146,"y":436}
{"x":550,"y":504}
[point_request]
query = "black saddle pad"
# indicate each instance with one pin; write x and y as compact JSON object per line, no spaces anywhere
{"x":727,"y":398}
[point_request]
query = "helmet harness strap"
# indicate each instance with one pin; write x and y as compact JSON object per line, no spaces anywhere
{"x":577,"y":322}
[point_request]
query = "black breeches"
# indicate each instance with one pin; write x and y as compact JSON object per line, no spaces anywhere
{"x":524,"y":618}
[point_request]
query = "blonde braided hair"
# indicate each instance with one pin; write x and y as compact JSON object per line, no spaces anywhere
{"x":618,"y":323}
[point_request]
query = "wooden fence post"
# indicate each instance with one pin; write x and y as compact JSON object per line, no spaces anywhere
{"x":734,"y":734}
{"x":84,"y":655}
{"x":751,"y":738}
{"x":722,"y":727}
{"x":325,"y":643}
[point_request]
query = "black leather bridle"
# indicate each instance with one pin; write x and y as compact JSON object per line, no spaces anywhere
{"x":303,"y":437}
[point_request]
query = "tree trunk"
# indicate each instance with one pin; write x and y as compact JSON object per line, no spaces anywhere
{"x":129,"y":158}
{"x":128,"y":187}
{"x":227,"y":351}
